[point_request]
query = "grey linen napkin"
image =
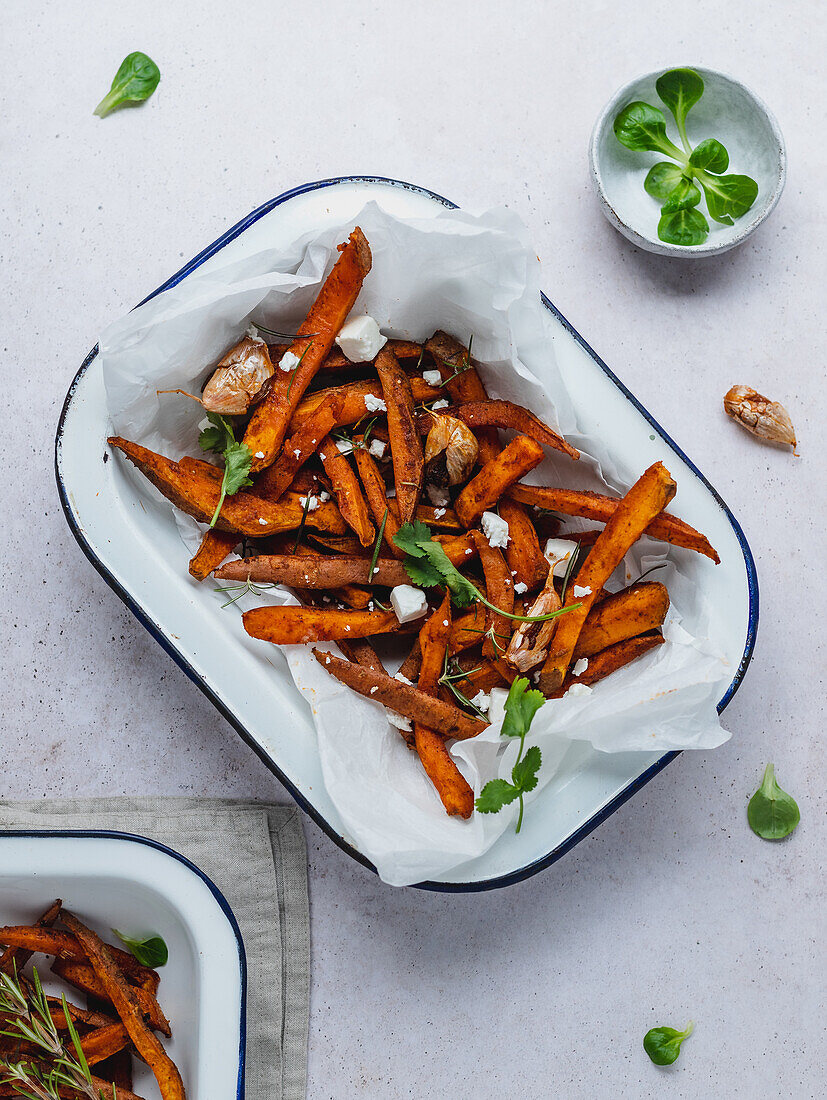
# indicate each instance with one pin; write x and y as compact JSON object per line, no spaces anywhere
{"x":254,"y":852}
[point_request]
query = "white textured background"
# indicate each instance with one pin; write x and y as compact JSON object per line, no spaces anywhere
{"x":672,"y":909}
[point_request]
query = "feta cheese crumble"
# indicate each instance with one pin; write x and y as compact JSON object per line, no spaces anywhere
{"x":496,"y":706}
{"x":288,"y":361}
{"x":580,"y":666}
{"x":263,"y":522}
{"x":297,"y":453}
{"x":309,"y":502}
{"x":519,"y":588}
{"x":344,"y":446}
{"x":582,"y":590}
{"x":558,"y":552}
{"x":432,"y":377}
{"x":482,"y":701}
{"x":400,"y":721}
{"x":324,"y":496}
{"x":375,"y":404}
{"x":579,"y":689}
{"x":408,"y":602}
{"x":377,"y":448}
{"x":252,"y":334}
{"x":439,"y":512}
{"x":441,"y":404}
{"x":374,"y":690}
{"x":360,"y":339}
{"x":495,"y":529}
{"x":402,"y":678}
{"x":259,"y":454}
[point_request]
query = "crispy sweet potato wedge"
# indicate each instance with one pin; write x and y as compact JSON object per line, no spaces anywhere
{"x":455,"y":793}
{"x":348,"y":492}
{"x":215,"y":547}
{"x":482,"y":492}
{"x":361,"y":652}
{"x":301,"y":445}
{"x":353,"y":394}
{"x":439,"y":519}
{"x":646,"y":499}
{"x":378,"y":502}
{"x":500,"y":591}
{"x":297,"y":625}
{"x":83,"y":977}
{"x":129,"y":1009}
{"x":17,"y":957}
{"x":609,"y":660}
{"x":504,"y":414}
{"x":462,"y":381}
{"x":268,"y":425}
{"x":402,"y":349}
{"x":410,"y":701}
{"x":640,"y":608}
{"x":406,"y":446}
{"x":572,"y":502}
{"x":313,"y":572}
{"x":103,"y":1042}
{"x":63,"y":945}
{"x":523,"y":552}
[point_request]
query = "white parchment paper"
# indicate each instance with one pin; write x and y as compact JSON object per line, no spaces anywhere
{"x":468,"y":275}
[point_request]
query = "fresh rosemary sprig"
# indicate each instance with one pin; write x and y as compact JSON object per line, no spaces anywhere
{"x":243,"y":589}
{"x":448,"y":678}
{"x":300,"y":531}
{"x":295,"y":369}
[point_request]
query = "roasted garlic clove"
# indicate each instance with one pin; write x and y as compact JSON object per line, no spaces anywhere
{"x":764,"y":418}
{"x":530,"y":641}
{"x":457,"y":445}
{"x":238,"y":378}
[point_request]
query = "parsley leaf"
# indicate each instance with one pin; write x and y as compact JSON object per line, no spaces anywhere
{"x":428,"y":564}
{"x":238,"y":457}
{"x":520,"y":707}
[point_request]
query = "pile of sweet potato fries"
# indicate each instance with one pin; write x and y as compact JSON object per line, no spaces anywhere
{"x":121,"y":1022}
{"x":412,"y":438}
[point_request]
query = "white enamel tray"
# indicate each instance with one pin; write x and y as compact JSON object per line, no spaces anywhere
{"x":135,"y":546}
{"x":114,"y":880}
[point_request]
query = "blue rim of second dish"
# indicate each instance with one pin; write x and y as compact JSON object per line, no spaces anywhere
{"x":223,"y":904}
{"x":157,"y":632}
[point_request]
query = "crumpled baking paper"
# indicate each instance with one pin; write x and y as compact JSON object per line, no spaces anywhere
{"x":468,"y":275}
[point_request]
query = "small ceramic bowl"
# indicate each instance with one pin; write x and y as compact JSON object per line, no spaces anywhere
{"x":727,"y":111}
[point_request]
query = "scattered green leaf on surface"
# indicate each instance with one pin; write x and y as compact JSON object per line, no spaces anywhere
{"x":663,"y":1044}
{"x":151,"y":952}
{"x":772,"y":813}
{"x":135,"y":80}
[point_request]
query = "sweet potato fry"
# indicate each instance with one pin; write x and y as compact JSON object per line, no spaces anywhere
{"x":521,"y":455}
{"x":504,"y":414}
{"x":609,"y":660}
{"x":17,"y":957}
{"x":295,"y":625}
{"x":451,"y":786}
{"x":500,"y":591}
{"x":459,"y":549}
{"x":353,"y":394}
{"x":646,"y":499}
{"x":118,"y":1070}
{"x":439,"y":519}
{"x":63,"y":945}
{"x":378,"y":502}
{"x":301,"y":445}
{"x":129,"y":1009}
{"x":215,"y":547}
{"x":313,"y":572}
{"x":523,"y":552}
{"x":410,"y":701}
{"x":467,"y":631}
{"x":348,"y":492}
{"x":402,"y":349}
{"x":637,"y":609}
{"x":84,"y":1016}
{"x":361,"y":652}
{"x":268,"y":425}
{"x":339,"y":544}
{"x":191,"y":487}
{"x":103,"y":1085}
{"x":83,"y":977}
{"x":462,"y":381}
{"x":406,"y":446}
{"x":572,"y":502}
{"x":103,"y":1042}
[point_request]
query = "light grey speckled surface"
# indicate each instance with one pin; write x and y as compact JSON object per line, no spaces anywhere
{"x":672,"y":909}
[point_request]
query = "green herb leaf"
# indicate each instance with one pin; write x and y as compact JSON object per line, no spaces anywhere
{"x":683,"y":197}
{"x":520,"y":707}
{"x":237,"y":462}
{"x":663,"y":1044}
{"x":524,"y":772}
{"x":685,"y":227}
{"x":643,"y":127}
{"x":238,"y":458}
{"x":728,"y":197}
{"x":772,"y":813}
{"x":151,"y":952}
{"x":680,"y":90}
{"x":711,"y":155}
{"x":218,"y":436}
{"x":495,"y":794}
{"x":135,"y":80}
{"x":662,"y":179}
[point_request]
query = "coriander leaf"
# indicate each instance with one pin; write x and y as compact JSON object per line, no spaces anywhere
{"x":422,"y":572}
{"x":494,"y":795}
{"x":642,"y":127}
{"x":711,"y":155}
{"x":772,"y":813}
{"x":685,"y":227}
{"x":520,"y":707}
{"x":524,"y":772}
{"x":680,"y":90}
{"x":662,"y":179}
{"x":663,"y":1044}
{"x":217,"y":437}
{"x":151,"y":952}
{"x":136,"y":80}
{"x":415,"y":539}
{"x":238,"y":458}
{"x":729,"y":196}
{"x":411,"y":536}
{"x":683,"y":197}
